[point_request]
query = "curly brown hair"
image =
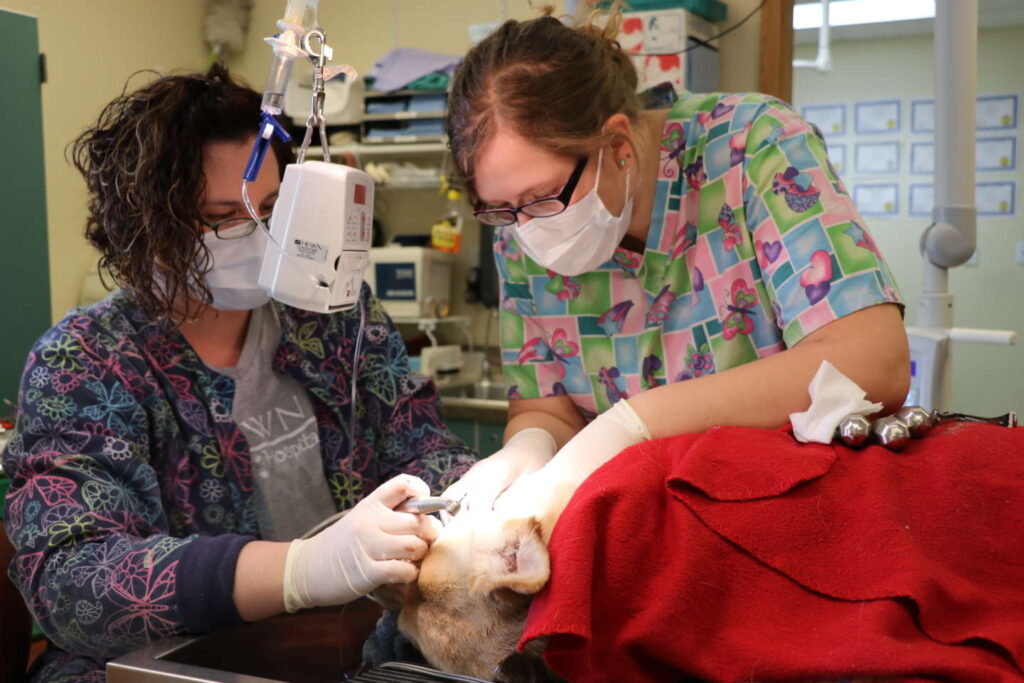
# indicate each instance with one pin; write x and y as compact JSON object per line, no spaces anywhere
{"x":143,"y":165}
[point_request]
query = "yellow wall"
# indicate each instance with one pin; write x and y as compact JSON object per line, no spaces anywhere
{"x":91,"y":48}
{"x":986,"y":379}
{"x":740,"y":50}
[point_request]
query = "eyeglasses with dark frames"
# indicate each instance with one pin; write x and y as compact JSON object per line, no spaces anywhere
{"x":226,"y":226}
{"x":544,"y":207}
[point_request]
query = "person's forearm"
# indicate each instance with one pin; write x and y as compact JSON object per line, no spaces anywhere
{"x":259,"y":580}
{"x":765,"y":392}
{"x":554,"y":425}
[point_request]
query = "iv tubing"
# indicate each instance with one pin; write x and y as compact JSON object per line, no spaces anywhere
{"x":319,"y":279}
{"x":355,"y":376}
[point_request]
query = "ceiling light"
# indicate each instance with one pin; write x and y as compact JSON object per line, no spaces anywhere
{"x":851,"y":12}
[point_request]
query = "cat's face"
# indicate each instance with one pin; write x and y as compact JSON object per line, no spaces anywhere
{"x":468,"y":608}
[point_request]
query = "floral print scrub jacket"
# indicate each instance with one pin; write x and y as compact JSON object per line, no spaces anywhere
{"x":131,"y":487}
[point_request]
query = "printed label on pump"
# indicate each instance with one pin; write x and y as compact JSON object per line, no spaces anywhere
{"x":311,"y":251}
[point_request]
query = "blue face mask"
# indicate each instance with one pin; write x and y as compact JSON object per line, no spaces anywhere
{"x":235,"y":268}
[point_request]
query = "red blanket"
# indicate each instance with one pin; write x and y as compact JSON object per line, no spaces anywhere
{"x":740,"y":554}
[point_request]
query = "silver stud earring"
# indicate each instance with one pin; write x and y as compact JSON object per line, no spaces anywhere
{"x":622,"y":163}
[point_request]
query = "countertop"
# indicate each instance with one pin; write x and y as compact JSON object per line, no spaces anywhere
{"x":482,"y":409}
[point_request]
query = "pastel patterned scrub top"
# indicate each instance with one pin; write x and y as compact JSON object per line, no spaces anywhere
{"x":754,"y":243}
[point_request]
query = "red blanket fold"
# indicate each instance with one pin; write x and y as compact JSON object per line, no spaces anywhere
{"x":740,"y":554}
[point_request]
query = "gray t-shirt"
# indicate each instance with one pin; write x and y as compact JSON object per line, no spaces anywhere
{"x":276,"y":415}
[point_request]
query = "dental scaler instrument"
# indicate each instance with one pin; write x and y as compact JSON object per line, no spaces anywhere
{"x":428,"y":505}
{"x":417,"y":506}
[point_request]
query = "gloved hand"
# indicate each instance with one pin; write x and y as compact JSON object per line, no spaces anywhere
{"x":606,"y":436}
{"x":371,"y":545}
{"x":527,"y":451}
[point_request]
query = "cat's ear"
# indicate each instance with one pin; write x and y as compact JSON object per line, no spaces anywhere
{"x":519,"y":562}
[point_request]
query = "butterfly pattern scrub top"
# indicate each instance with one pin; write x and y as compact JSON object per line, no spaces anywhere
{"x":754,"y":243}
{"x":132,"y":485}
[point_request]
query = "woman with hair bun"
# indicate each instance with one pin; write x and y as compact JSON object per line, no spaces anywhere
{"x":661,"y":271}
{"x":176,"y":438}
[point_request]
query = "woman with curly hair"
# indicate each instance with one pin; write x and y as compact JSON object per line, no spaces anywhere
{"x":176,"y":438}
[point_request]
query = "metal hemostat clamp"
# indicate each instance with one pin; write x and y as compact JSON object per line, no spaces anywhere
{"x":895,"y":431}
{"x":1007,"y":420}
{"x":425,"y":506}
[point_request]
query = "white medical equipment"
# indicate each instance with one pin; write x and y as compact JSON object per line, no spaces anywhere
{"x":951,"y":238}
{"x":411,"y":281}
{"x":321,"y":225}
{"x":928,"y":352}
{"x":320,"y":229}
{"x":322,"y":222}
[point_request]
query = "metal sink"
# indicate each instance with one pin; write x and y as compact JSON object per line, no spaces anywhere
{"x":484,"y":400}
{"x":484,"y":389}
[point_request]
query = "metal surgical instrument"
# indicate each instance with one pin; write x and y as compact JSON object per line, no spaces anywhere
{"x":425,"y":506}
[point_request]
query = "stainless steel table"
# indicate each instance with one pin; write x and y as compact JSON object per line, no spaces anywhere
{"x":317,"y":645}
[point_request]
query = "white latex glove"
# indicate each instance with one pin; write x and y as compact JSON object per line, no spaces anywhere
{"x":527,"y":451}
{"x":609,"y":434}
{"x":371,"y":545}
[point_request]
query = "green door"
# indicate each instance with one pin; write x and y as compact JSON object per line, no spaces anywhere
{"x":464,"y":429}
{"x":489,"y":437}
{"x":24,"y":264}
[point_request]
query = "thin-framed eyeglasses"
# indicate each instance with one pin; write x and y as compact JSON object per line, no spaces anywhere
{"x":538,"y":208}
{"x":231,"y":228}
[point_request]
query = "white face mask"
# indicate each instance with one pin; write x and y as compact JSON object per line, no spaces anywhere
{"x":235,"y":269}
{"x":580,"y":238}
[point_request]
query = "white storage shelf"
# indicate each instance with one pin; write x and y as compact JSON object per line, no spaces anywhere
{"x":398,"y":149}
{"x":362,"y":152}
{"x":403,"y":115}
